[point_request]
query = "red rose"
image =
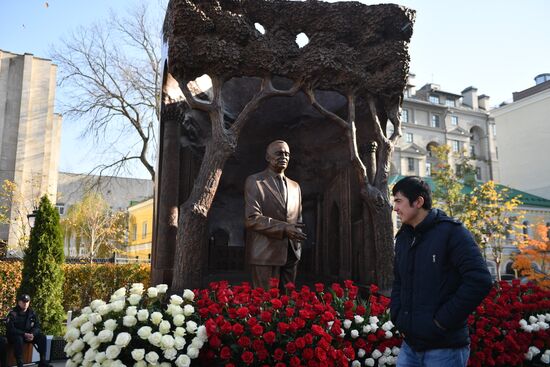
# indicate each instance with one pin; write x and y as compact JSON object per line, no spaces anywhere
{"x":308,"y":354}
{"x":266,"y":316}
{"x":237,"y":329}
{"x":242,"y":312}
{"x":225,"y":353}
{"x":295,"y":362}
{"x":262,"y":354}
{"x":269,"y":337}
{"x":258,"y":344}
{"x":289,"y":311}
{"x":280,"y":364}
{"x":276,"y":303}
{"x":244,"y":341}
{"x":300,"y":343}
{"x":291,"y":348}
{"x":257,"y":330}
{"x":273,"y":283}
{"x":319,"y":287}
{"x":247,"y":357}
{"x":282,"y":327}
{"x":279,"y":354}
{"x":214,"y":341}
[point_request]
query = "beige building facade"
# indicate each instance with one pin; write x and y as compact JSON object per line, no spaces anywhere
{"x":30,"y":134}
{"x":523,"y":139}
{"x":432,"y":117}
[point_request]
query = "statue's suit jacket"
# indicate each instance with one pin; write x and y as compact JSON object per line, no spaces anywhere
{"x":266,"y":215}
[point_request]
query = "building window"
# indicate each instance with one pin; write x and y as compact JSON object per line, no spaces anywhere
{"x":60,"y":208}
{"x":428,"y":169}
{"x":134,"y":232}
{"x":410,"y":164}
{"x":493,"y":129}
{"x":434,"y":99}
{"x":144,"y":230}
{"x":450,"y":103}
{"x":389,"y":130}
{"x":454,"y":120}
{"x":473,"y":151}
{"x":525,"y":228}
{"x":478,"y":173}
{"x":405,"y":115}
{"x":409,"y":137}
{"x":435,"y":121}
{"x":455,"y":145}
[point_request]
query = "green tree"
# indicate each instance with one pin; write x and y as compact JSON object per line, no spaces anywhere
{"x":42,"y":273}
{"x":95,"y":226}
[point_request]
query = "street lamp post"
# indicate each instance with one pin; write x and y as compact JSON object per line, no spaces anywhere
{"x":32,"y":218}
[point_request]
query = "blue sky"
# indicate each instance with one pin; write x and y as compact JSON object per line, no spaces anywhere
{"x":497,"y":46}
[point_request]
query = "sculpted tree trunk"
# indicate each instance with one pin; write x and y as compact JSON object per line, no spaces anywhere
{"x":194,"y":211}
{"x":373,"y":177}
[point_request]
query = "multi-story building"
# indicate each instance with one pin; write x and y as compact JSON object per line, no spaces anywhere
{"x":118,"y":192}
{"x":523,"y":136}
{"x":432,"y":117}
{"x":140,"y":229}
{"x":30,"y":134}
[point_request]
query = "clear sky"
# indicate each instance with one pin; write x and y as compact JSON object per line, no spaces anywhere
{"x":497,"y":46}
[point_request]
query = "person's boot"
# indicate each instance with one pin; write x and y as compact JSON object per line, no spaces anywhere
{"x":19,"y":362}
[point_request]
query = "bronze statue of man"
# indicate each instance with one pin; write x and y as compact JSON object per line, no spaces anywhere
{"x":273,"y":215}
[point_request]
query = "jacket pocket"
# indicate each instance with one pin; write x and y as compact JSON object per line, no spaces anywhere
{"x":424,"y":327}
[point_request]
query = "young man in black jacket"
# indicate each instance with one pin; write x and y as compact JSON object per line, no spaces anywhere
{"x":440,"y":278}
{"x":22,"y":327}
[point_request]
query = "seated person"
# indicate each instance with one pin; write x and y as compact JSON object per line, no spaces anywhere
{"x":23,"y":326}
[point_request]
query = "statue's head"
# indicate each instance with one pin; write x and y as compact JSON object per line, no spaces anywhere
{"x":278,"y":155}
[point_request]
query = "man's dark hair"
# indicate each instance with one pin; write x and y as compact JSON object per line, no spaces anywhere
{"x":412,"y":187}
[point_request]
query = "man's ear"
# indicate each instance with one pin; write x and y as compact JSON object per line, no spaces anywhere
{"x":419,"y":202}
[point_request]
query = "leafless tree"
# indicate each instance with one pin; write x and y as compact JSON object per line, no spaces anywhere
{"x":109,"y":73}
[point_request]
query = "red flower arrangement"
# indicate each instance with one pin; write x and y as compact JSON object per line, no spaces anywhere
{"x":332,"y":326}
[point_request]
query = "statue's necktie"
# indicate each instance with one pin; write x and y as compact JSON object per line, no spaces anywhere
{"x":282,"y":187}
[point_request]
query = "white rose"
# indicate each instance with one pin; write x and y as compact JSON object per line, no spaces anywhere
{"x":373,"y":327}
{"x":138,"y":354}
{"x":129,"y":321}
{"x":140,"y":364}
{"x":532,"y":319}
{"x":155,"y":339}
{"x":183,"y":361}
{"x":123,"y":339}
{"x":347,"y":324}
{"x":107,"y":363}
{"x":164,"y":327}
{"x":545,"y":358}
{"x":118,"y":363}
{"x":144,"y":332}
{"x":136,"y":288}
{"x":70,"y":363}
{"x":94,"y":342}
{"x":95,"y":318}
{"x":166,"y":364}
{"x":77,"y":346}
{"x":179,"y":342}
{"x":387,"y":352}
{"x":180,"y":331}
{"x":112,"y":351}
{"x":104,"y":309}
{"x":389,"y":334}
{"x":152,"y":358}
{"x":78,"y":358}
{"x":88,"y":336}
{"x":100,"y":357}
{"x":86,"y":327}
{"x":120,"y":292}
{"x":152,"y":292}
{"x":188,"y":295}
{"x":86,"y":310}
{"x":178,"y":320}
{"x":387,"y":326}
{"x":202,"y":334}
{"x":395,"y":351}
{"x":369,"y":362}
{"x":167,"y":342}
{"x":72,"y":334}
{"x":96,"y":303}
{"x":90,"y":354}
{"x":131,"y":311}
{"x":376,"y":354}
{"x":191,"y":327}
{"x":382,"y":360}
{"x":358,"y":319}
{"x":110,"y":324}
{"x":86,"y":363}
{"x":174,"y":310}
{"x":134,"y":299}
{"x":192,"y":352}
{"x":143,"y":315}
{"x":116,"y":299}
{"x":117,"y":306}
{"x":170,"y":354}
{"x":367,"y":329}
{"x":156,"y":317}
{"x":197,"y":343}
{"x":354,"y":334}
{"x":373,"y":320}
{"x":188,"y":310}
{"x":105,"y":336}
{"x":356,"y":363}
{"x":361,"y":353}
{"x":176,"y":300}
{"x":162,"y":288}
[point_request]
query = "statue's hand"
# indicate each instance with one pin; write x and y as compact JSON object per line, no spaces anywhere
{"x":294,"y":231}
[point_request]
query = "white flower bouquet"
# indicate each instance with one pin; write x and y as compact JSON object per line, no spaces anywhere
{"x":137,"y":327}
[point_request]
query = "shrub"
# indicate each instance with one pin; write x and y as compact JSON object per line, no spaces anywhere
{"x":42,"y":272}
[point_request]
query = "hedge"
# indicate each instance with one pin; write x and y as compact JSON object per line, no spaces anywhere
{"x":83,"y":282}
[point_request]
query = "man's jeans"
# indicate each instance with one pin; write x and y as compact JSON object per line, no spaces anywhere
{"x":450,"y":357}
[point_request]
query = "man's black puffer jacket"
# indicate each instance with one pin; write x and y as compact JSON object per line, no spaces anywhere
{"x":440,"y":278}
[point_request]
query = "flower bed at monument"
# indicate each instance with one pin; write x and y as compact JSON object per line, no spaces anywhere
{"x":319,"y":326}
